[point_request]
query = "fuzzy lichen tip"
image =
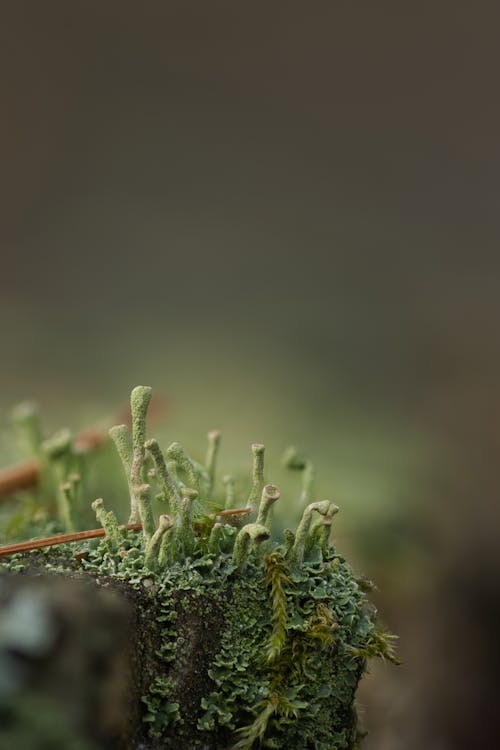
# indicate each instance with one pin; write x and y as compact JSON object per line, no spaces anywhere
{"x":333,"y":510}
{"x":258,"y":450}
{"x":188,"y":493}
{"x":293,"y":459}
{"x":26,"y":417}
{"x":254,"y":532}
{"x":270,"y":494}
{"x":97,"y":504}
{"x":108,"y":522}
{"x":139,"y":402}
{"x":58,"y":445}
{"x":214,"y":439}
{"x":175,"y":451}
{"x":24,"y":412}
{"x":165,"y":522}
{"x":320,"y":506}
{"x":323,"y":507}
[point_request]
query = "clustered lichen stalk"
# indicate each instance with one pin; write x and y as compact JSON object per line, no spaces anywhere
{"x":186,"y":489}
{"x":294,"y":628}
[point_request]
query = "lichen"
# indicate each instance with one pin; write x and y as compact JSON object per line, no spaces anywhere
{"x":256,"y":641}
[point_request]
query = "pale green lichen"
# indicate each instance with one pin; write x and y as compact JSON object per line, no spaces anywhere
{"x":270,"y":494}
{"x":293,"y":459}
{"x":26,"y":418}
{"x":167,"y":483}
{"x":257,"y":474}
{"x":108,"y":521}
{"x":120,"y":435}
{"x":152,"y":553}
{"x":252,"y":532}
{"x":214,"y":440}
{"x":280,"y":632}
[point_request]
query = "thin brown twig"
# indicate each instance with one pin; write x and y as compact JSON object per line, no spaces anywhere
{"x":235,"y":512}
{"x":21,"y":477}
{"x":234,"y":516}
{"x":50,"y":541}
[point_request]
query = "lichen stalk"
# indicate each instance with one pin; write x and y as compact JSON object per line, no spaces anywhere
{"x":166,"y":481}
{"x":66,"y":498}
{"x":214,"y":440}
{"x":270,"y":494}
{"x":214,"y":538}
{"x":299,"y":545}
{"x":108,"y":521}
{"x":251,"y":532}
{"x":230,"y":488}
{"x":295,"y":460}
{"x":139,"y":402}
{"x":289,"y":542}
{"x":143,"y":495}
{"x":152,"y":553}
{"x":57,"y":458}
{"x":27,"y":419}
{"x":185,"y":532}
{"x":195,"y":474}
{"x":121,"y":437}
{"x":257,"y":474}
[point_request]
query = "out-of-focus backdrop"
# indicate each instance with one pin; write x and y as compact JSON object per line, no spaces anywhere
{"x":284,"y":217}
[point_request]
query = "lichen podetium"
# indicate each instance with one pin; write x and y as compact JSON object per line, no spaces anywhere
{"x":258,"y":642}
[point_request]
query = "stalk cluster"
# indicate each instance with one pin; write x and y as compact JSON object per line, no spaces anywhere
{"x":187,"y":491}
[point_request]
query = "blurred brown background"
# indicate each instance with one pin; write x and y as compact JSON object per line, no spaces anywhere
{"x":285,"y":217}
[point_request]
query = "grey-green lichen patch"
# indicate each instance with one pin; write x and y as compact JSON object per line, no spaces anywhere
{"x":243,"y":640}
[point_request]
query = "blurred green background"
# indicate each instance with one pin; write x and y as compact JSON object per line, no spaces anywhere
{"x":283,"y":217}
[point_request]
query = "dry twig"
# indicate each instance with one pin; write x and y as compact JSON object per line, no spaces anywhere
{"x":49,"y":541}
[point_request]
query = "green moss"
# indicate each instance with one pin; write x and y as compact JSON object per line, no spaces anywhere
{"x":246,"y":641}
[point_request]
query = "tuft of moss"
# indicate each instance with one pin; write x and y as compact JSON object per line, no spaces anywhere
{"x":245,"y":640}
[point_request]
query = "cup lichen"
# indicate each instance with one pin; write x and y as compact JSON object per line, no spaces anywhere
{"x":258,"y":642}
